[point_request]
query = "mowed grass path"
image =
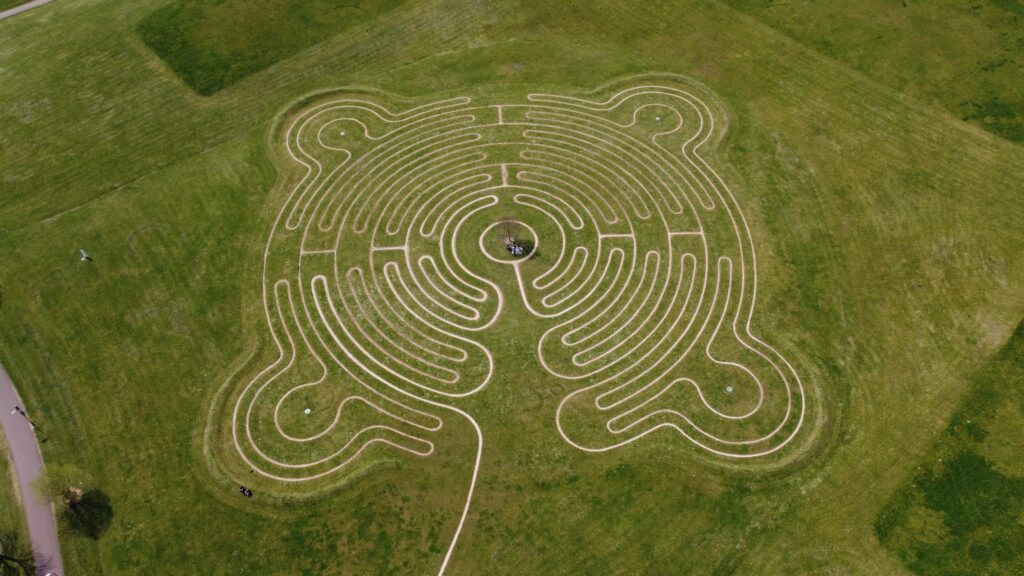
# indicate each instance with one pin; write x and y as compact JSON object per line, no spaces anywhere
{"x":890,"y":261}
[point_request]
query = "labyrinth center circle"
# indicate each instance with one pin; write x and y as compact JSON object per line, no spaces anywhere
{"x":497,"y":239}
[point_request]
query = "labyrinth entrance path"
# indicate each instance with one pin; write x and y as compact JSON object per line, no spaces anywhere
{"x":400,"y":320}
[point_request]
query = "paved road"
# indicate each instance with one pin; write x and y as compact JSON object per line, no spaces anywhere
{"x":28,"y":465}
{"x":19,"y":9}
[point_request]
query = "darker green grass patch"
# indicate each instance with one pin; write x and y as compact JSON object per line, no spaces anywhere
{"x":961,"y":514}
{"x":212,"y":44}
{"x":997,"y":116}
{"x":7,"y":4}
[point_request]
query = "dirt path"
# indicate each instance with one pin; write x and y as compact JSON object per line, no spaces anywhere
{"x":22,"y":8}
{"x":28,"y":465}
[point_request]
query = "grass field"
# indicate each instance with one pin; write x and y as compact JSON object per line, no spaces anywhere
{"x":961,"y":512}
{"x":966,"y":57}
{"x":190,"y":36}
{"x":12,"y":518}
{"x":890,"y":268}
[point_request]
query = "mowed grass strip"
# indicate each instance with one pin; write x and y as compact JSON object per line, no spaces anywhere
{"x":212,"y":44}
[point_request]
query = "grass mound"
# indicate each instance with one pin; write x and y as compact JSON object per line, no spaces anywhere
{"x":213,"y":44}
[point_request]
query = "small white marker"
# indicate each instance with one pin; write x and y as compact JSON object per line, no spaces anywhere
{"x":342,"y":132}
{"x":728,"y":389}
{"x":308,"y":411}
{"x":657,"y":118}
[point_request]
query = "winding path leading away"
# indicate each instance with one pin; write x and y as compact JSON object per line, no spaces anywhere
{"x":28,"y":465}
{"x":22,"y":8}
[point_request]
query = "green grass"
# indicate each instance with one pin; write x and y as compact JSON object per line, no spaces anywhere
{"x":5,"y":4}
{"x":961,"y":512}
{"x":212,"y":44}
{"x":891,"y":264}
{"x":967,"y":57}
{"x":12,"y":518}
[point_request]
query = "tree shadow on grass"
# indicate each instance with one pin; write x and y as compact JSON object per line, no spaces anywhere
{"x":90,"y":516}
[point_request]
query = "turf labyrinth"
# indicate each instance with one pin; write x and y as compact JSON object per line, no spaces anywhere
{"x":386,"y":281}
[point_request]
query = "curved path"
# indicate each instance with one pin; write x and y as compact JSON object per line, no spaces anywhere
{"x":28,"y":465}
{"x":22,"y":8}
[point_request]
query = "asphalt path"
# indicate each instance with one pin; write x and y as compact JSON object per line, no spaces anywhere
{"x":28,"y":465}
{"x":22,"y":8}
